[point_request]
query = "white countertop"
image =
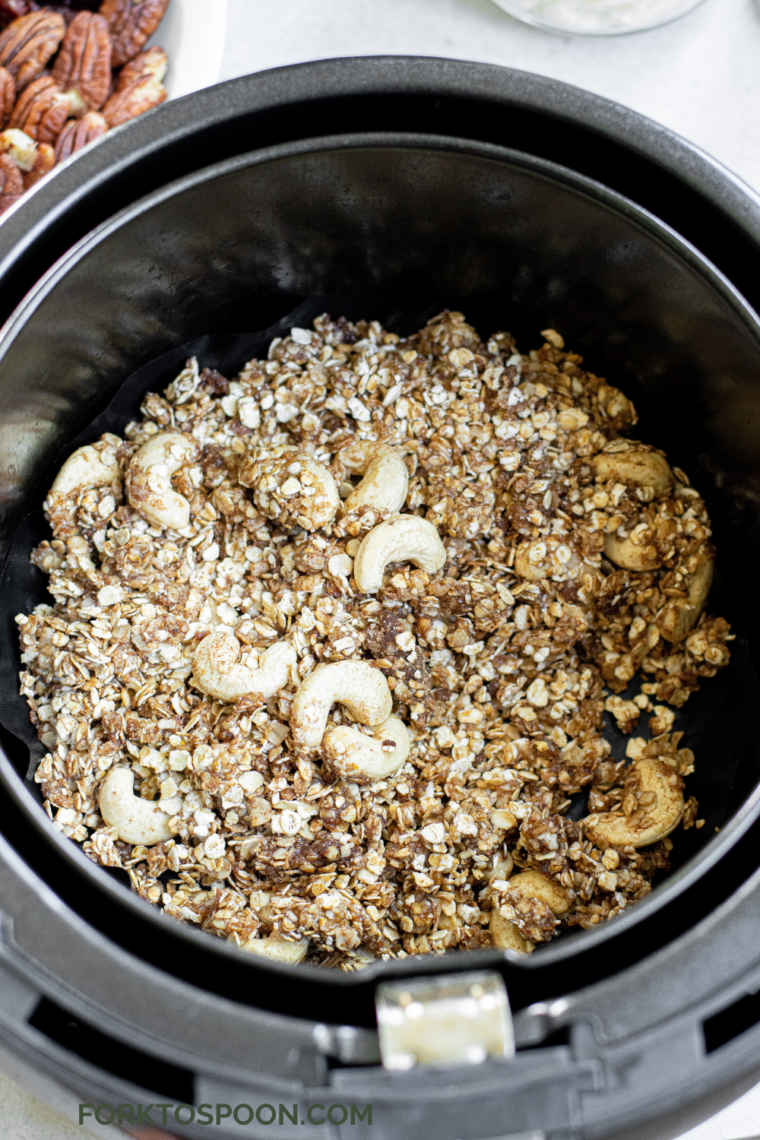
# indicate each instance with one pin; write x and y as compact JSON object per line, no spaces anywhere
{"x":700,"y":76}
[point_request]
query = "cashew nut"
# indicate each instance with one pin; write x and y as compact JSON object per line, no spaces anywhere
{"x":278,"y":949}
{"x":506,"y":936}
{"x":216,"y":670}
{"x":362,"y":758}
{"x":94,"y":465}
{"x":679,"y":617}
{"x":403,"y":538}
{"x":533,"y":885}
{"x":626,"y":553}
{"x":658,"y":810}
{"x":355,"y":684}
{"x":386,"y":479}
{"x":136,"y":820}
{"x":85,"y":468}
{"x":149,"y":488}
{"x":646,"y":468}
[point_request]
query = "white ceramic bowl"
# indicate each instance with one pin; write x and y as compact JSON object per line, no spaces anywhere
{"x":597,"y":17}
{"x":192,"y":33}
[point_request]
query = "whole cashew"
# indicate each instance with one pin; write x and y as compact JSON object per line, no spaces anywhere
{"x":216,"y":670}
{"x":403,"y":538}
{"x":149,"y":488}
{"x":647,"y":823}
{"x":386,"y":479}
{"x":136,"y":820}
{"x":362,"y":758}
{"x":85,"y":468}
{"x":506,"y":936}
{"x":355,"y":684}
{"x":533,"y":885}
{"x":278,"y":949}
{"x":626,"y":553}
{"x":679,"y":618}
{"x":646,"y":468}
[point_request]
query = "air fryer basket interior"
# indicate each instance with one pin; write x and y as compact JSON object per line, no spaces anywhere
{"x":397,"y":229}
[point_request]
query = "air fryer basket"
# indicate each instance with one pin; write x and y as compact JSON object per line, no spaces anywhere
{"x":393,"y":225}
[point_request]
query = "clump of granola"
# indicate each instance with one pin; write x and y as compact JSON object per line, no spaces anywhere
{"x":501,"y":665}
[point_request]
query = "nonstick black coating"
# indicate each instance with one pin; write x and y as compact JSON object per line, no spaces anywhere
{"x":398,"y":228}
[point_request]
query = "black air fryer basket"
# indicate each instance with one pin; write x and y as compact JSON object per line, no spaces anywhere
{"x":390,"y":189}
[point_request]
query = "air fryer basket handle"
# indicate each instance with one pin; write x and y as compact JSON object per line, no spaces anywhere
{"x":636,"y":1038}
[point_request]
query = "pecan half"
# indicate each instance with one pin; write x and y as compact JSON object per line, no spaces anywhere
{"x":28,"y":43}
{"x":133,"y":101}
{"x":12,"y":9}
{"x":44,"y":162}
{"x":83,"y":66}
{"x":20,"y":147}
{"x":7,"y":95}
{"x":41,"y":110}
{"x":131,"y":24}
{"x":68,"y":13}
{"x":153,"y":62}
{"x":11,"y":182}
{"x":78,"y":133}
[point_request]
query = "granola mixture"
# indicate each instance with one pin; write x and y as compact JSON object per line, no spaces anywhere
{"x":68,"y":75}
{"x":501,"y":664}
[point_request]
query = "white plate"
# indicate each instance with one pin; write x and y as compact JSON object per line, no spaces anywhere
{"x":192,"y":34}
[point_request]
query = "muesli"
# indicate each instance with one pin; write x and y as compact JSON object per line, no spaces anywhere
{"x":332,"y":642}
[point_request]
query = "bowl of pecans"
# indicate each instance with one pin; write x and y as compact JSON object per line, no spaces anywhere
{"x":69,"y":73}
{"x":380,"y":511}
